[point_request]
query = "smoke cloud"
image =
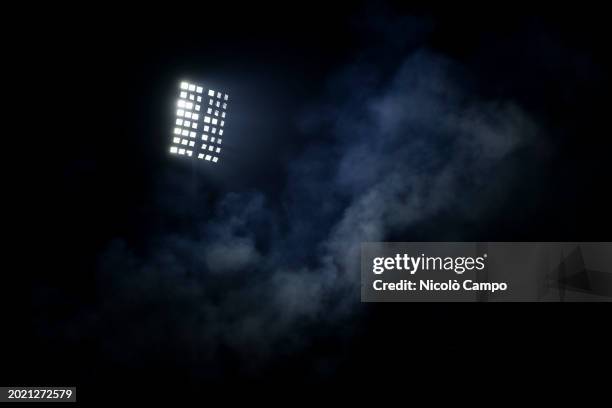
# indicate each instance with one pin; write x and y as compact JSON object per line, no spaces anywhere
{"x":395,"y":147}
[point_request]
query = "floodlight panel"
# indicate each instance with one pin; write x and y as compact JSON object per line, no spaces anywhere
{"x":185,"y":133}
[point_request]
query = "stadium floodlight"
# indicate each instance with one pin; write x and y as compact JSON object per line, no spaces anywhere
{"x":188,"y":122}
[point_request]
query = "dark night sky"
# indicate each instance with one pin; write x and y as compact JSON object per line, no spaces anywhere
{"x":381,"y":122}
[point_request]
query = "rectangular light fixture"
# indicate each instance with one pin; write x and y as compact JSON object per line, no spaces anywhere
{"x":187,"y":139}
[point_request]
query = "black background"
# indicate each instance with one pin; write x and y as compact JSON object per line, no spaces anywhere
{"x":103,"y":75}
